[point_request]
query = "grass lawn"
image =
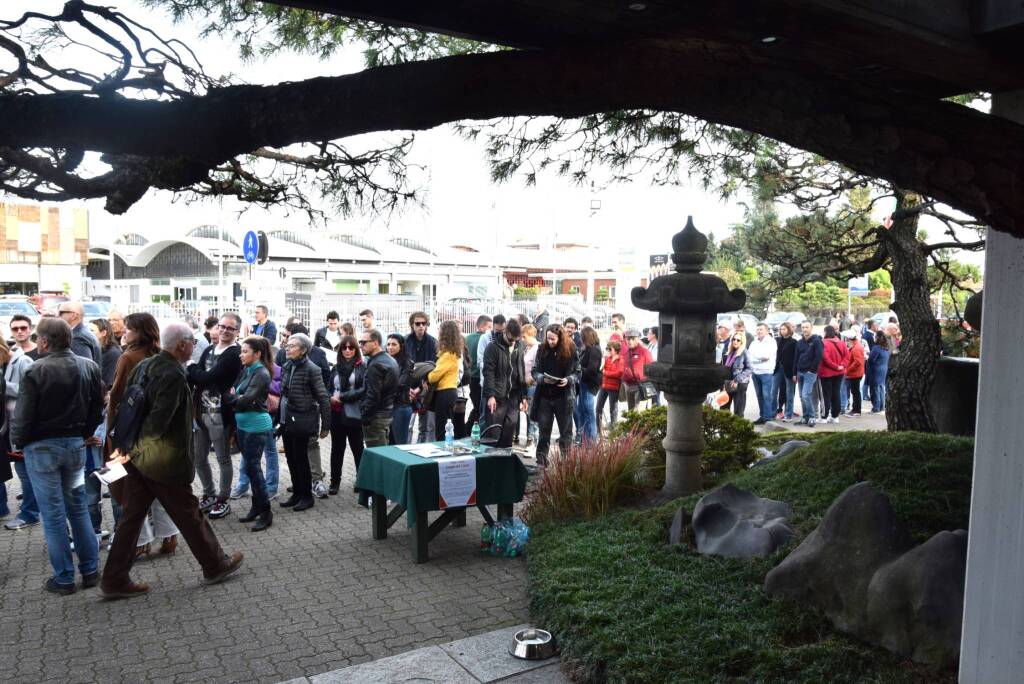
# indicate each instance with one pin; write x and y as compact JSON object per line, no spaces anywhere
{"x":627,"y":607}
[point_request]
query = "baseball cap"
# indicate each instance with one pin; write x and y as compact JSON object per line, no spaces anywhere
{"x":632,"y":332}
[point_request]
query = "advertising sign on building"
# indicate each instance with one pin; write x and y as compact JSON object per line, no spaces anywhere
{"x":660,"y":264}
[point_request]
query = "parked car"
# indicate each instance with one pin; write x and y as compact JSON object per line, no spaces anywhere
{"x":47,"y":303}
{"x":749,"y":322}
{"x":96,"y":309}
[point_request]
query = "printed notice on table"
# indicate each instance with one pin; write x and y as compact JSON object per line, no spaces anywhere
{"x":457,"y":477}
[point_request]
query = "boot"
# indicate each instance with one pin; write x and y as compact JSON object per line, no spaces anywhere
{"x":263,"y":521}
{"x":251,"y":515}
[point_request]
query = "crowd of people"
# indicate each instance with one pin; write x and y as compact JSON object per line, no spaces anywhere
{"x":832,"y":374}
{"x":196,"y":391}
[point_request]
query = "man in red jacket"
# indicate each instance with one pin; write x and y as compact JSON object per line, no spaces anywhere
{"x":636,"y":356}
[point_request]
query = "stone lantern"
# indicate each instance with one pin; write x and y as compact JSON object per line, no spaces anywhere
{"x":688,"y":303}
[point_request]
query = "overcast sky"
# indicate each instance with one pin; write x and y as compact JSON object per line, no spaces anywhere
{"x":461,"y":203}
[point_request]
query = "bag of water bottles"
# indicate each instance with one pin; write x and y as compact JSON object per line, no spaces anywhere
{"x":506,"y":538}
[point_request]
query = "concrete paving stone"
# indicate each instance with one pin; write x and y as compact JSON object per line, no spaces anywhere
{"x":548,"y":674}
{"x":425,"y":665}
{"x":486,"y":655}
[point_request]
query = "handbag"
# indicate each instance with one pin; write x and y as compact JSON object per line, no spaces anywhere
{"x":648,"y":390}
{"x":352,"y":412}
{"x":304,"y":423}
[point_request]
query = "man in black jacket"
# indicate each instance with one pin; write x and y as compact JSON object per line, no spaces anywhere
{"x":806,"y":362}
{"x":83,"y":342}
{"x":60,"y":404}
{"x":421,"y":346}
{"x":380,"y":382}
{"x":503,"y":381}
{"x":213,"y":375}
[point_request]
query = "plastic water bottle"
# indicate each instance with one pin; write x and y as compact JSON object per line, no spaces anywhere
{"x":485,"y":536}
{"x":449,"y":436}
{"x":475,"y":434}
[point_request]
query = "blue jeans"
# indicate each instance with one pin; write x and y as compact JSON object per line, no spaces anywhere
{"x":273,"y":473}
{"x":93,"y":487}
{"x":29,"y":511}
{"x":586,"y":418}
{"x":784,"y":387}
{"x":807,"y":400}
{"x":878,"y":397}
{"x":57,"y":469}
{"x":764,"y":387}
{"x":844,"y":395}
{"x":401,"y":419}
{"x":253,"y":446}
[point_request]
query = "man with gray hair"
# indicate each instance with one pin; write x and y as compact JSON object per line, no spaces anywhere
{"x":211,"y":376}
{"x":161,"y":466}
{"x":60,"y":404}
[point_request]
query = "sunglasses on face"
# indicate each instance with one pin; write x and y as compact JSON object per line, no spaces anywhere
{"x":420,"y":324}
{"x":349,"y":348}
{"x":19,"y":328}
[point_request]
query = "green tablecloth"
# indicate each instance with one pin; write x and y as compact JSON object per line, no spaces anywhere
{"x":412,"y":480}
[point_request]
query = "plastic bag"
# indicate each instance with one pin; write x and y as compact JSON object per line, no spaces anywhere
{"x":506,"y":538}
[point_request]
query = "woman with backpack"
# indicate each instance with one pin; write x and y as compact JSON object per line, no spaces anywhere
{"x":346,"y":422}
{"x":305,"y":412}
{"x":248,"y":397}
{"x":141,"y":339}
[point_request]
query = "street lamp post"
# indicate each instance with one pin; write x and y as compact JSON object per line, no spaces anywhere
{"x":687,"y":303}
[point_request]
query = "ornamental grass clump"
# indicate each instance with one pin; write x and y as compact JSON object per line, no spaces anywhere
{"x":589,"y":480}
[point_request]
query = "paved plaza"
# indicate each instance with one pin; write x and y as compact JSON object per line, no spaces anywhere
{"x":315,"y":594}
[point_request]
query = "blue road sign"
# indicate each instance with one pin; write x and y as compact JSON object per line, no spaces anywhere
{"x":250,"y":247}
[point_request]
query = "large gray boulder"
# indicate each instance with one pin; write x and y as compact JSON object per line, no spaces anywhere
{"x":859,"y":567}
{"x":734,"y":523}
{"x":916,"y":603}
{"x":833,"y":566}
{"x":784,"y":450}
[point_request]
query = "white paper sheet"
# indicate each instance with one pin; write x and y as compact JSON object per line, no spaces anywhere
{"x":457,"y":479}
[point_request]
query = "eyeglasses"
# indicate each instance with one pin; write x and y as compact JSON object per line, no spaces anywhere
{"x":294,"y":345}
{"x":362,"y":342}
{"x":65,"y":311}
{"x":420,"y":324}
{"x":349,"y":348}
{"x":737,"y":340}
{"x":228,"y":328}
{"x":19,"y":328}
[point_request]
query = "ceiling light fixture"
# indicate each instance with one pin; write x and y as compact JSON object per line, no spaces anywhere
{"x":769,"y":40}
{"x":637,"y":6}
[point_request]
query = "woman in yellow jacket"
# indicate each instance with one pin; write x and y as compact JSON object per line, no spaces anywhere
{"x":445,"y":376}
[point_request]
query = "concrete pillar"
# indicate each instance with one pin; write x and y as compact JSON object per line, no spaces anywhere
{"x":992,"y":643}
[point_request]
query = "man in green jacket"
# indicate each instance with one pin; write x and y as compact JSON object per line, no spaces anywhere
{"x":162,"y":466}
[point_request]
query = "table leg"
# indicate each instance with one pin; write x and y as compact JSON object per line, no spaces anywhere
{"x":504,"y":511}
{"x":379,"y":506}
{"x":420,"y":537}
{"x":460,"y":518}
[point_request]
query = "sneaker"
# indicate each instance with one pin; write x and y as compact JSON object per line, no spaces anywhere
{"x":760,"y":421}
{"x":59,"y":589}
{"x":219,"y":510}
{"x":18,"y":523}
{"x":320,"y":490}
{"x":238,"y":494}
{"x":810,"y":423}
{"x":779,"y":416}
{"x":206,"y":503}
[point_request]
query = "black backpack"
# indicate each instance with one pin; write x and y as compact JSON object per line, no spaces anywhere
{"x":131,"y":412}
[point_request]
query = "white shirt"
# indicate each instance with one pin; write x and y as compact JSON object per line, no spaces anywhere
{"x":762,"y":355}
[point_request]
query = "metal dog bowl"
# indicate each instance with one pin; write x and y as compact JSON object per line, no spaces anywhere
{"x":532,"y":644}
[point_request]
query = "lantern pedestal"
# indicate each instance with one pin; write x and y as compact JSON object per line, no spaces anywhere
{"x":687,"y":303}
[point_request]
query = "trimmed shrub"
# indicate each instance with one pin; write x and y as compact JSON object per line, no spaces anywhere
{"x":728,"y":442}
{"x":588,"y":481}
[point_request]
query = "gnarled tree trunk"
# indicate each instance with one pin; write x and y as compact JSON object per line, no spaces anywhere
{"x":912,"y":367}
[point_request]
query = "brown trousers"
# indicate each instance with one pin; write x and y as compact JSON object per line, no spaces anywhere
{"x":136,"y":493}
